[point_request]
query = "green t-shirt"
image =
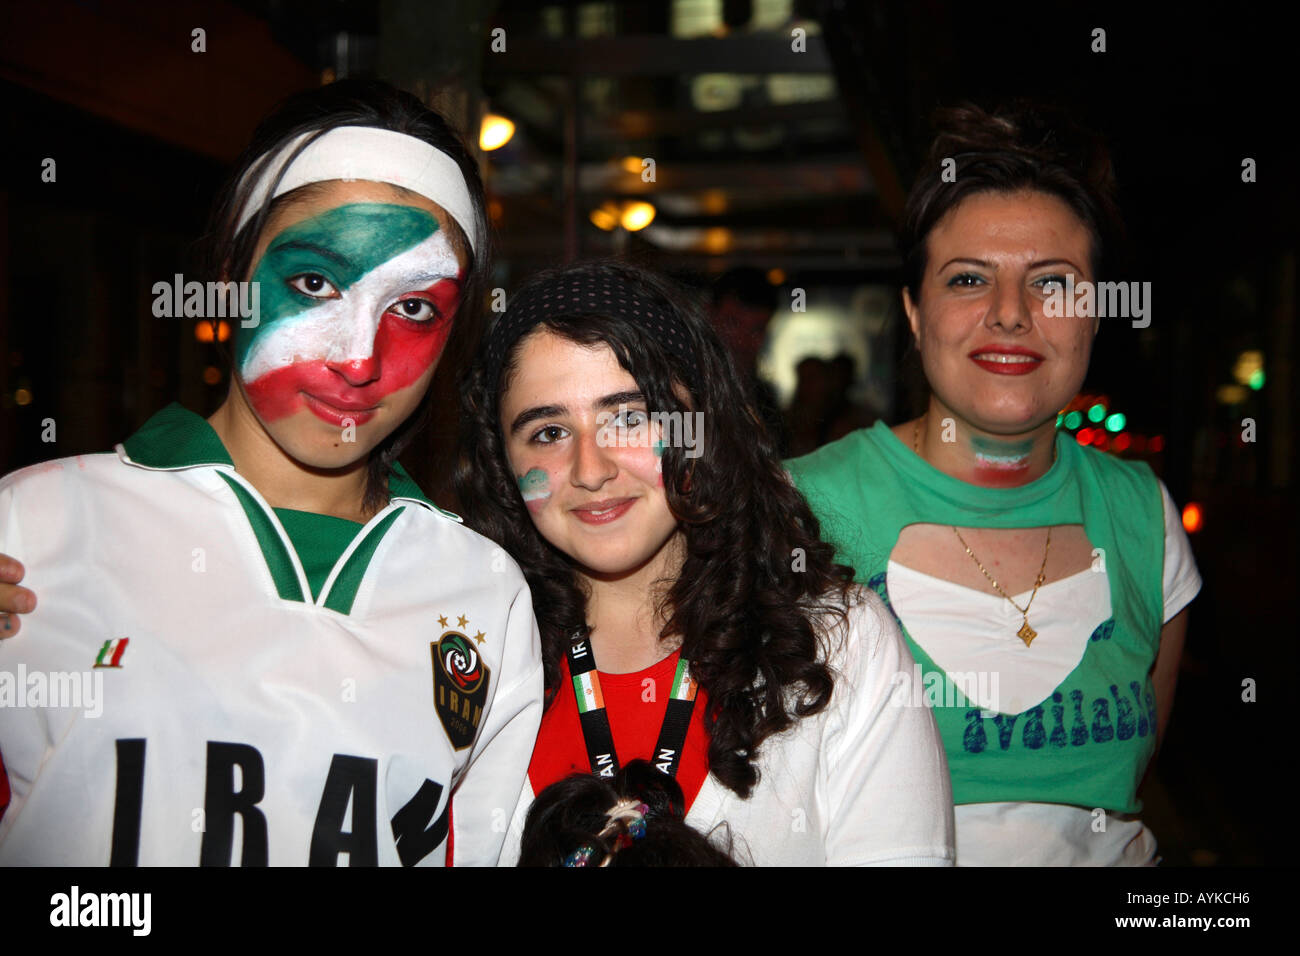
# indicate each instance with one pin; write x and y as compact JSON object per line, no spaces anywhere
{"x":1087,"y":743}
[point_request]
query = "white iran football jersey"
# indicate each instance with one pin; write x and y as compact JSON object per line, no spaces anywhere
{"x":179,"y":698}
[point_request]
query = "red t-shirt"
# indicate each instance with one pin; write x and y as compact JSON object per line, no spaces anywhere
{"x":635,"y":705}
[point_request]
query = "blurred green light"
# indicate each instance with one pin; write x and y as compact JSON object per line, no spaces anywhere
{"x":1097,"y":413}
{"x":1060,"y":417}
{"x":1116,"y":422}
{"x":1256,"y":379}
{"x":1073,"y":420}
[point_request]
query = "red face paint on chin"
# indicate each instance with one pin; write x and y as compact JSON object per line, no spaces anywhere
{"x":336,"y":393}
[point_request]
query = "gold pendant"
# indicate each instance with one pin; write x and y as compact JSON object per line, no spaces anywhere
{"x":1026,"y":633}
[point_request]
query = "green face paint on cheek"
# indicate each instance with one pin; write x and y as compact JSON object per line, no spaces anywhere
{"x":535,"y":487}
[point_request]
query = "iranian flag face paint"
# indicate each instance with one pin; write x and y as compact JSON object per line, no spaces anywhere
{"x":535,"y":487}
{"x":357,"y":303}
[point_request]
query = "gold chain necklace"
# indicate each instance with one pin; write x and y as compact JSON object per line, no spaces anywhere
{"x":1026,"y":633}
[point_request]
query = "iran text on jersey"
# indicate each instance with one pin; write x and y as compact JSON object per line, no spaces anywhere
{"x":237,"y":718}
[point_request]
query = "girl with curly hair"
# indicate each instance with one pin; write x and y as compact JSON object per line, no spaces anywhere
{"x":690,"y":614}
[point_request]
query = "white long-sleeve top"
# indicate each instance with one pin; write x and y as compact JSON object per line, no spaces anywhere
{"x":224,"y":716}
{"x":863,"y":782}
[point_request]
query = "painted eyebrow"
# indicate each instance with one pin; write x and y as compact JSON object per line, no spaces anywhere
{"x":431,"y":277}
{"x":989,"y":265}
{"x":325,"y":253}
{"x":530,"y":415}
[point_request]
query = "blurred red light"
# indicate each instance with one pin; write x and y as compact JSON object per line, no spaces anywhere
{"x":1122,"y":441}
{"x":1192,"y":517}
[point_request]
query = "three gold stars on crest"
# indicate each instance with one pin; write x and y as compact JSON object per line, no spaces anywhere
{"x":461,"y":621}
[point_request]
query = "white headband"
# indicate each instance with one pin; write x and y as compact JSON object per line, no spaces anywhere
{"x":372,"y":154}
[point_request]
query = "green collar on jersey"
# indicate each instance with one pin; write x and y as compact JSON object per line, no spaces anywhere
{"x":175,"y":439}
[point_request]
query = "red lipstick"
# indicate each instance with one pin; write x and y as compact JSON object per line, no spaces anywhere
{"x":1006,"y":359}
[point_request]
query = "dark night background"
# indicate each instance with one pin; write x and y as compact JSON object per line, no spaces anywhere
{"x":794,"y":163}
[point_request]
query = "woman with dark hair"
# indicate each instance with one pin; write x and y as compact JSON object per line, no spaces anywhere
{"x":632,"y":819}
{"x":1041,"y":586}
{"x":253,"y":597}
{"x":689,"y":612}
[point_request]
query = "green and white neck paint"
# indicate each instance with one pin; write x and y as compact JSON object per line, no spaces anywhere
{"x":996,"y":453}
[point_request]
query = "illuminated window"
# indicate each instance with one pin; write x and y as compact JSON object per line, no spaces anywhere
{"x":695,"y":18}
{"x":595,"y":19}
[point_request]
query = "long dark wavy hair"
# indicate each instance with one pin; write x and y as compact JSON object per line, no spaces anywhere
{"x":757,"y":577}
{"x":226,"y":251}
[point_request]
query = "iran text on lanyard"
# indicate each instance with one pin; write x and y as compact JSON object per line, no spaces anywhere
{"x":595,"y":722}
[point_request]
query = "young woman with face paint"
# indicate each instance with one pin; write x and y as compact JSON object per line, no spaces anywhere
{"x":1042,"y":586}
{"x":690,"y":615}
{"x":274,"y":623}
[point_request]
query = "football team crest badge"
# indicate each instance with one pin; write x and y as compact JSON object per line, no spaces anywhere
{"x":460,"y":686}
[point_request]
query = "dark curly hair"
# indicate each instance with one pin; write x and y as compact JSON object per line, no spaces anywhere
{"x":757,"y":575}
{"x":1020,"y":146}
{"x":573,"y":813}
{"x":226,"y":250}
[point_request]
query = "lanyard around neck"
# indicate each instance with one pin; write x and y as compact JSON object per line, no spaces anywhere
{"x":595,"y":721}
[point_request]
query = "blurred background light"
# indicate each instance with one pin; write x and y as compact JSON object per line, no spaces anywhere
{"x":604,"y":217}
{"x":637,"y":215}
{"x":203,"y":331}
{"x":495,"y":132}
{"x":1248,"y":365}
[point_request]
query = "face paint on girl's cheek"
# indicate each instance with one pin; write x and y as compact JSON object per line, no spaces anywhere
{"x":349,"y":350}
{"x":535,"y":487}
{"x":659,"y":445}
